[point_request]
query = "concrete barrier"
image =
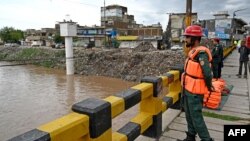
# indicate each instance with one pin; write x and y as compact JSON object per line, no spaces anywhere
{"x":70,"y":127}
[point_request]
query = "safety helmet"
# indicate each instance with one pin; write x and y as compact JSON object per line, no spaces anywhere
{"x":193,"y":30}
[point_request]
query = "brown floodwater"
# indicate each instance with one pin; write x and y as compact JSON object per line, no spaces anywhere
{"x":31,"y":96}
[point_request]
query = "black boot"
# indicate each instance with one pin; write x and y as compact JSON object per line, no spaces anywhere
{"x":189,"y":137}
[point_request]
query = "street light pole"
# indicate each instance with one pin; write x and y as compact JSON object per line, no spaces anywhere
{"x":233,"y":22}
{"x":104,"y":17}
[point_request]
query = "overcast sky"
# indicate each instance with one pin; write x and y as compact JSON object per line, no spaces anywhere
{"x":37,"y":14}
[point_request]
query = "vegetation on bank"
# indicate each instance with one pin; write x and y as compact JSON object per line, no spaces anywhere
{"x":223,"y":117}
{"x":126,"y":64}
{"x":36,"y":56}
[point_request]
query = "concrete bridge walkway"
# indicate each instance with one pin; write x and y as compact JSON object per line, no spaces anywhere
{"x":238,"y":104}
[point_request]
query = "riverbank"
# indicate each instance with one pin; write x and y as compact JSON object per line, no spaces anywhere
{"x":126,"y":64}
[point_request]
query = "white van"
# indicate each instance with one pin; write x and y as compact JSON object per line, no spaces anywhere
{"x":36,"y":44}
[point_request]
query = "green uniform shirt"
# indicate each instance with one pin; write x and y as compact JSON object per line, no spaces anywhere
{"x":202,"y":57}
{"x":217,"y":53}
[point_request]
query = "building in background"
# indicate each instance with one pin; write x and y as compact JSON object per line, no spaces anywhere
{"x":247,"y":29}
{"x":114,"y":22}
{"x":116,"y":18}
{"x":43,"y":37}
{"x":176,"y":27}
{"x":224,"y":28}
{"x":150,"y":31}
{"x":90,"y":36}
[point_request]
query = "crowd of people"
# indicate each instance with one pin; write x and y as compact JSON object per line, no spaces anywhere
{"x":202,"y":66}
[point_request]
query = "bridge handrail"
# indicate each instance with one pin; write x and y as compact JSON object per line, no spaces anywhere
{"x":91,"y":119}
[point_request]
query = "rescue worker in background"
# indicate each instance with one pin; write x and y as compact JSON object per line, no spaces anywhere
{"x":235,"y":43}
{"x":244,"y":52}
{"x":217,"y":62}
{"x":238,"y":44}
{"x":196,"y":81}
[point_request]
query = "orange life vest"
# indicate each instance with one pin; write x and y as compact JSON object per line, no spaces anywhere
{"x":193,"y":76}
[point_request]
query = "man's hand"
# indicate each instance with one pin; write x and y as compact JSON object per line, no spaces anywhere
{"x":212,"y":89}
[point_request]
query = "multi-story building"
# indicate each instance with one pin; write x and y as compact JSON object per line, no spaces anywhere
{"x":115,"y":16}
{"x":224,"y":28}
{"x":114,"y":22}
{"x":39,"y":37}
{"x":91,"y":35}
{"x":146,"y":31}
{"x":247,"y":29}
{"x":176,"y":27}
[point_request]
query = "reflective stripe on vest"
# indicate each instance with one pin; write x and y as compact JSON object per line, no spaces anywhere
{"x":194,"y":78}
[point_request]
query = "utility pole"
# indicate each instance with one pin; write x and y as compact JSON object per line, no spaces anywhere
{"x":188,"y":13}
{"x":168,"y":31}
{"x":188,"y":21}
{"x":143,"y":33}
{"x":104,"y":17}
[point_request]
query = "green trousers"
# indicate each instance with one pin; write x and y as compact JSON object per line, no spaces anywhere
{"x":215,"y":68}
{"x":193,"y":104}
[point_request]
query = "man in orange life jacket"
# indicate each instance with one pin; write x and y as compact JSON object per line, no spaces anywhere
{"x":196,"y":81}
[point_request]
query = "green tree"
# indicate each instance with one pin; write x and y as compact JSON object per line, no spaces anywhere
{"x":58,"y":38}
{"x":10,"y":34}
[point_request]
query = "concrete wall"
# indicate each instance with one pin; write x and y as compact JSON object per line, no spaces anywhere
{"x":133,"y":44}
{"x":129,"y":44}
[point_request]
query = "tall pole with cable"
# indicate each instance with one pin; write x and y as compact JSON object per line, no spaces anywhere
{"x":104,"y":17}
{"x":188,"y":21}
{"x":233,"y":23}
{"x":188,"y":13}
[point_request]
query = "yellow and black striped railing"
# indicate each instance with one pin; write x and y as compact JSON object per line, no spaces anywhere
{"x":228,"y":50}
{"x":91,"y":119}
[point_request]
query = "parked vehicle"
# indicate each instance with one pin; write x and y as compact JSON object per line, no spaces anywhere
{"x":59,"y":45}
{"x":176,"y":47}
{"x":80,"y":44}
{"x":7,"y":45}
{"x":36,"y":44}
{"x":11,"y":45}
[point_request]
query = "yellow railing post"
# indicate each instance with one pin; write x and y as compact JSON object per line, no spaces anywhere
{"x":172,"y":79}
{"x":99,"y":112}
{"x":153,"y":105}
